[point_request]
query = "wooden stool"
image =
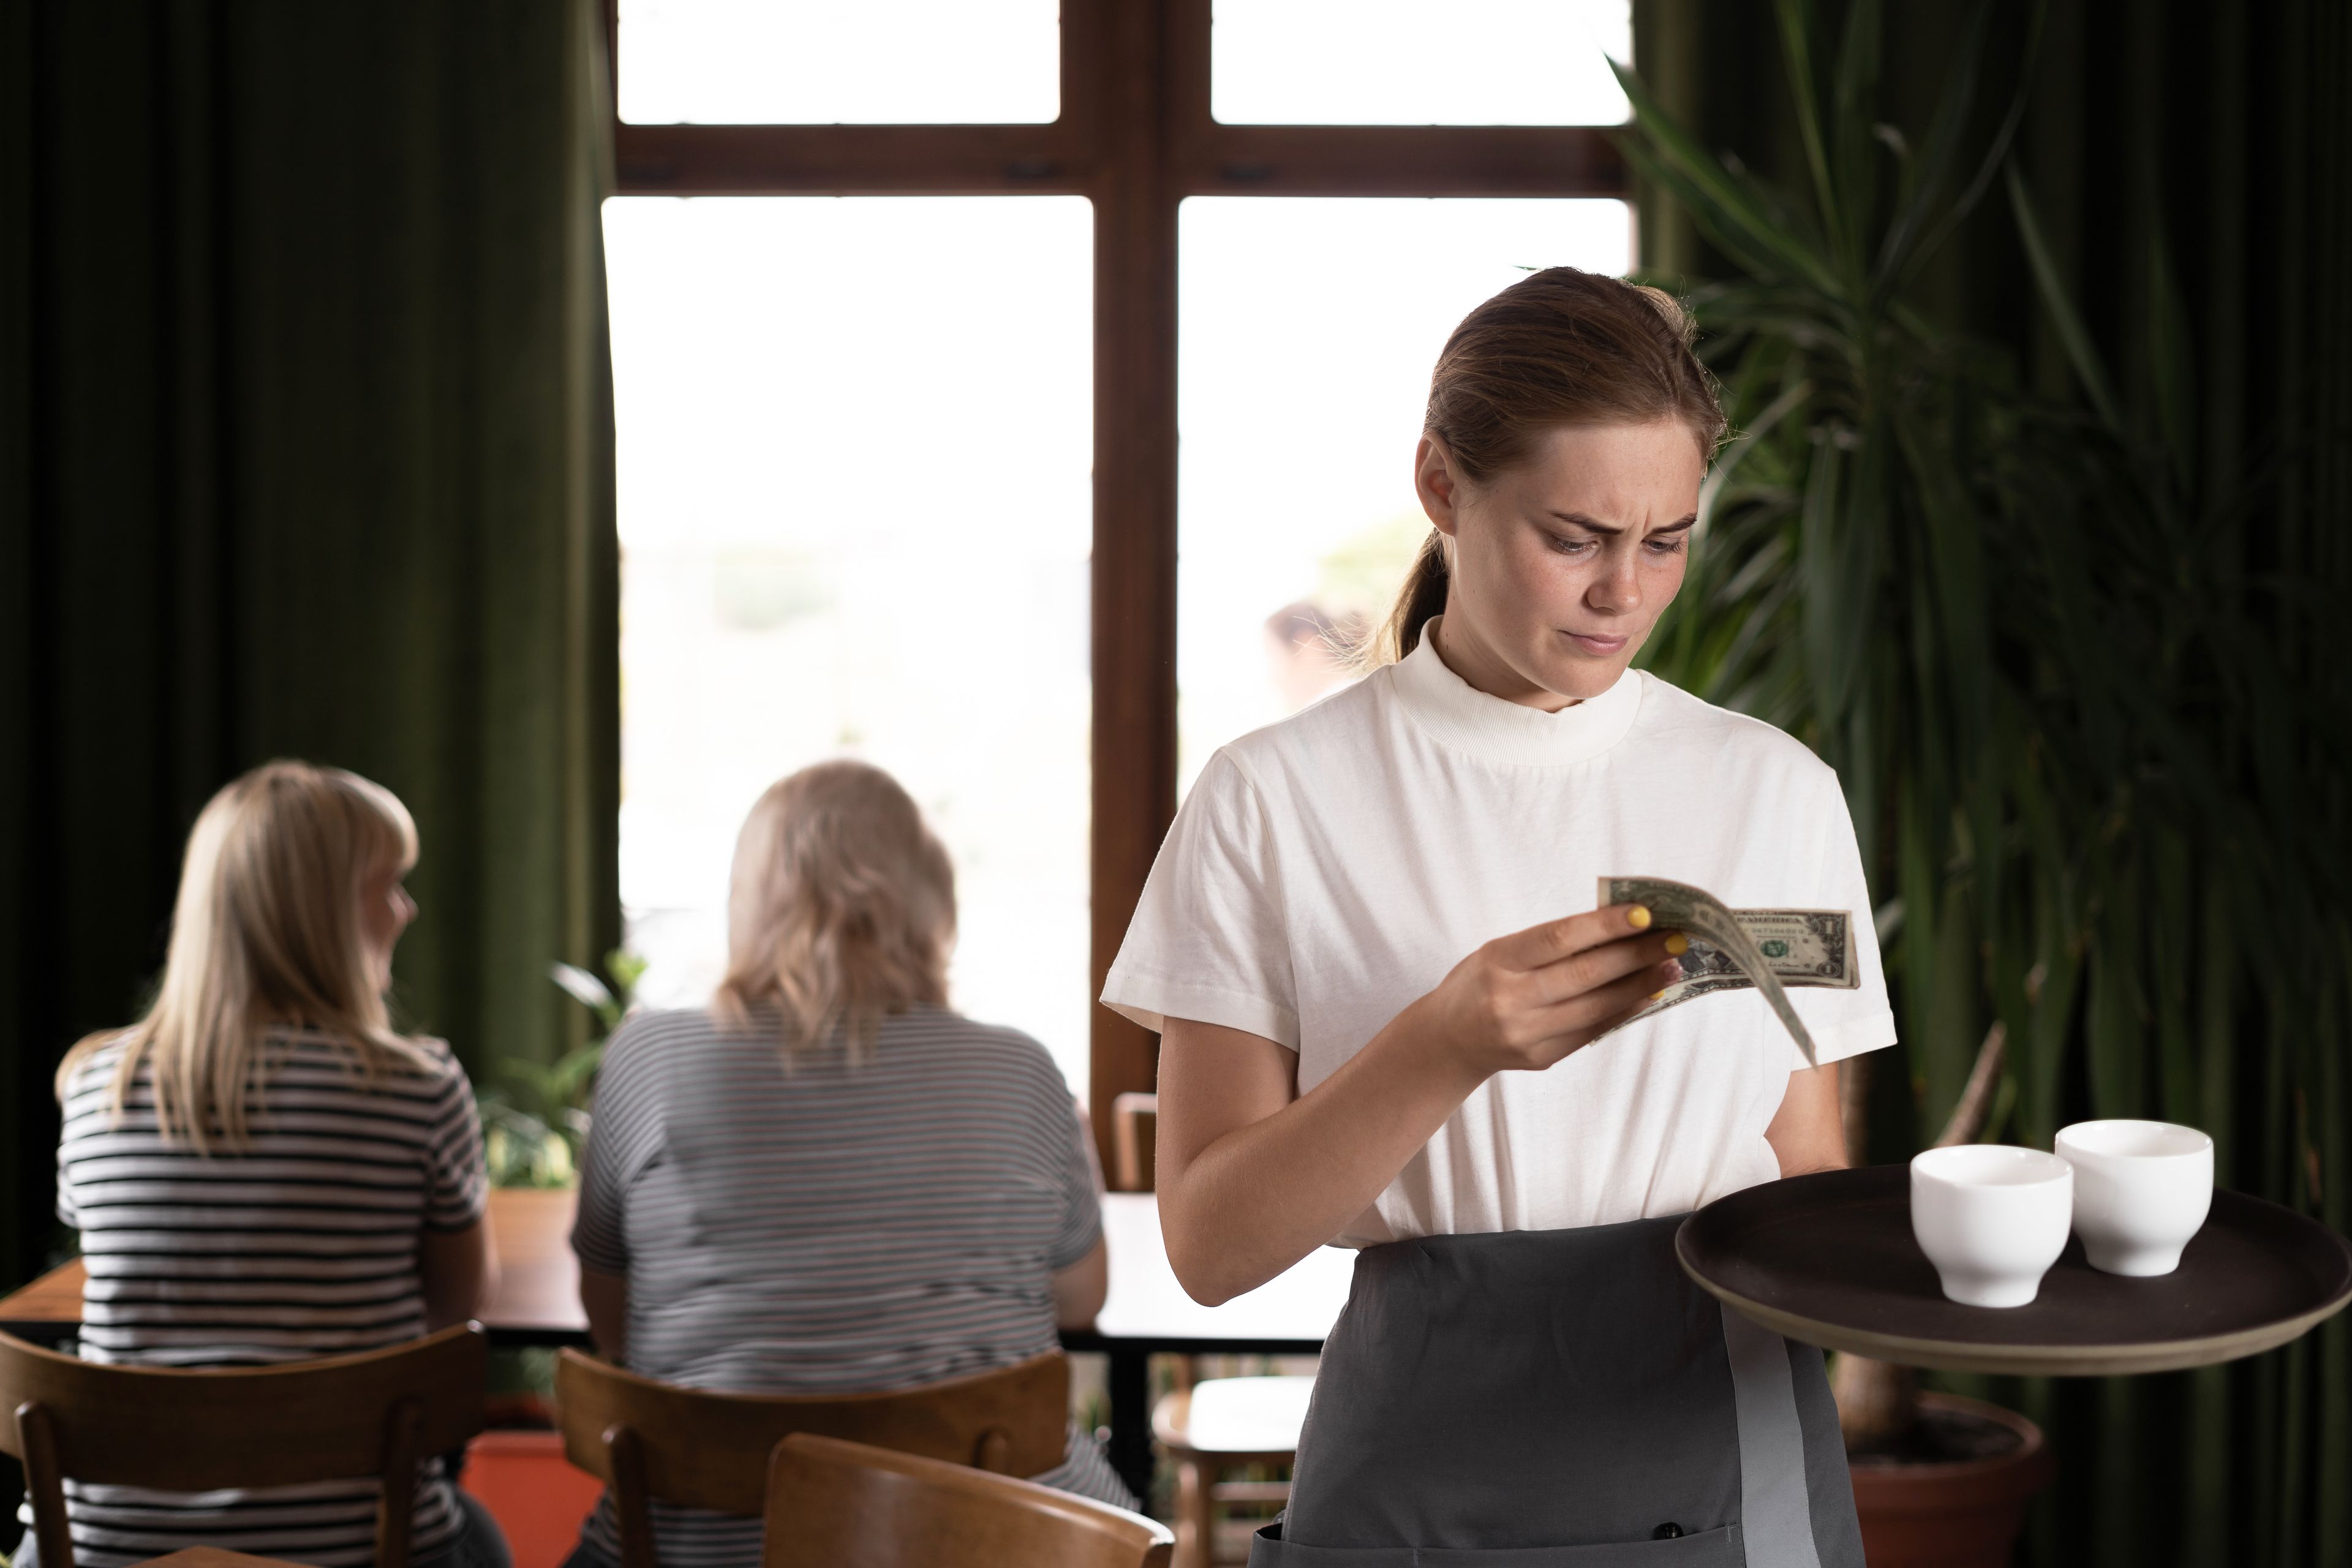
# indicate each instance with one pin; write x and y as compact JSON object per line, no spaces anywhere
{"x":1217,"y":1426}
{"x":833,"y":1504}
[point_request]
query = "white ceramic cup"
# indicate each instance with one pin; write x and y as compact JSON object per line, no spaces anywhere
{"x":1992,"y":1219}
{"x":2141,"y":1190}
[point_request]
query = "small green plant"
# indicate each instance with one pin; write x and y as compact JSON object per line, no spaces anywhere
{"x":536,"y":1119}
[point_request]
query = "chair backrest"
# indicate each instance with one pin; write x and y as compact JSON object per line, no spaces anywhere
{"x":833,"y":1504}
{"x":377,"y":1414}
{"x":649,"y":1440}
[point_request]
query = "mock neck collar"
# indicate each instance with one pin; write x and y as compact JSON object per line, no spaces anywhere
{"x":1460,"y":715}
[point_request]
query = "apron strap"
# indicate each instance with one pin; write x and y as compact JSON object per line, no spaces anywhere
{"x":1775,"y":1513}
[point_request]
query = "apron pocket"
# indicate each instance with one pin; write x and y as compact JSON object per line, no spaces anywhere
{"x":1704,"y":1549}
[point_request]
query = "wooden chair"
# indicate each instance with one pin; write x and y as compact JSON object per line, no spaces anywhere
{"x":648,"y":1440}
{"x":1219,"y":1424}
{"x":833,"y":1504}
{"x":379,"y":1413}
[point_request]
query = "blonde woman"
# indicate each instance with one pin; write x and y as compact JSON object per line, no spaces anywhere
{"x":827,"y":1181}
{"x":262,"y":1171}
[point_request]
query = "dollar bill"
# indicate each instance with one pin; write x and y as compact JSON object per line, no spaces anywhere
{"x":1767,"y":949}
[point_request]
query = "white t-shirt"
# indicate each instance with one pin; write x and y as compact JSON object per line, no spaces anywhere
{"x":1329,"y":869}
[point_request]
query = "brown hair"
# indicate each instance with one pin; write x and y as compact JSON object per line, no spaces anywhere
{"x":1561,"y":347}
{"x":842,"y":907}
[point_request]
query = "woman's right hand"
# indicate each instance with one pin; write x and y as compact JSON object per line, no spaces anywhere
{"x":1234,"y":1133}
{"x":1524,"y":1000}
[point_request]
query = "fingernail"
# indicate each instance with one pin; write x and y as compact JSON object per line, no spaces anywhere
{"x":1677,"y":944}
{"x":1657,"y":995}
{"x":1638,"y":917}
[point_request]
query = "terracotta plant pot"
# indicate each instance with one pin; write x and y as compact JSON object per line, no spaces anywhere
{"x":1960,"y":1513}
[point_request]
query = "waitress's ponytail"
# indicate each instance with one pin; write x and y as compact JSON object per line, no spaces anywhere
{"x":1558,"y":348}
{"x":1421,"y":601}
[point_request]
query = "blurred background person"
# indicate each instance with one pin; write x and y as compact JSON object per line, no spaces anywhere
{"x":1310,"y":652}
{"x":827,"y":1181}
{"x":263,"y":1171}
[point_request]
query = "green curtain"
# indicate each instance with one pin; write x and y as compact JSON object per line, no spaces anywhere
{"x":306,"y":450}
{"x":2192,"y":164}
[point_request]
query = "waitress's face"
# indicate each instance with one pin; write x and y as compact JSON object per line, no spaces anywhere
{"x":1563,"y":564}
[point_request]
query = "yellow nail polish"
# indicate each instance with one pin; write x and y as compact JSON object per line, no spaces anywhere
{"x":1638,"y":917}
{"x":1657,"y":995}
{"x":1678,"y":944}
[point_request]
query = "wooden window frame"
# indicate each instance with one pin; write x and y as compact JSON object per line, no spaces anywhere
{"x":1134,"y":136}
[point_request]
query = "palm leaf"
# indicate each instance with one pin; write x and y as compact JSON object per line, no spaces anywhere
{"x":2076,"y":337}
{"x":1722,"y":204}
{"x":1798,"y":26}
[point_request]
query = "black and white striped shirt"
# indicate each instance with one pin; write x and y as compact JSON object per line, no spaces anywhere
{"x":303,"y":1245}
{"x":822,"y":1225}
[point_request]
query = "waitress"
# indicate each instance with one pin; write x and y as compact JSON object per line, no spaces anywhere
{"x":1381,"y":1030}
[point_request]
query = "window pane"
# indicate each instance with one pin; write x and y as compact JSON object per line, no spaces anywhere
{"x":854,"y":445}
{"x":1308,"y":329}
{"x":1419,"y":62}
{"x":849,"y":62}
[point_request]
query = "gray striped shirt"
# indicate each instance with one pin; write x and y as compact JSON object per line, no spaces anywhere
{"x":820,"y":1225}
{"x":302,"y":1245}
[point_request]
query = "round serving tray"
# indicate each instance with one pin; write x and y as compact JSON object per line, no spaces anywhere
{"x":1829,"y":1259}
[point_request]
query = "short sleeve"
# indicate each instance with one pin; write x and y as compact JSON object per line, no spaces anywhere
{"x":1081,"y":1185}
{"x":1209,"y":940}
{"x":1842,"y":1023}
{"x":91,"y":1076}
{"x":69,"y":1211}
{"x":458,"y":1185}
{"x":624,"y":1137}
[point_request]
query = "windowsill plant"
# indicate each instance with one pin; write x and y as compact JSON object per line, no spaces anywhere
{"x":535,"y":1119}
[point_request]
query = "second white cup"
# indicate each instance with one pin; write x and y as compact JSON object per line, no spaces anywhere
{"x":1991,"y":1218}
{"x":2141,"y":1190}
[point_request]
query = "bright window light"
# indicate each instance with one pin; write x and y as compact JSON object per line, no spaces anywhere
{"x":1419,"y":62}
{"x":856,"y":439}
{"x":847,"y":62}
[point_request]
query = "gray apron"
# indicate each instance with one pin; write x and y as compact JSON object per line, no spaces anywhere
{"x":1560,"y":1399}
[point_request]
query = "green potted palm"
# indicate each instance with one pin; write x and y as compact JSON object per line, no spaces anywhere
{"x":1960,"y":595}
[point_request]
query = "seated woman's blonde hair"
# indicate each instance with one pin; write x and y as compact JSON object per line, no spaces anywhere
{"x":265,"y":931}
{"x":841,"y":909}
